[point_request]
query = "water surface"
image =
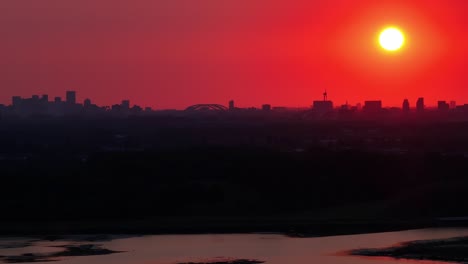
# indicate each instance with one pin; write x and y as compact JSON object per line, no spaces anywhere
{"x":271,"y":248}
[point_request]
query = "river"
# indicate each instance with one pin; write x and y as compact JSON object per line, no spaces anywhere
{"x":271,"y":248}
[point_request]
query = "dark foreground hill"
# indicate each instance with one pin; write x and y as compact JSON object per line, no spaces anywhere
{"x":119,"y":170}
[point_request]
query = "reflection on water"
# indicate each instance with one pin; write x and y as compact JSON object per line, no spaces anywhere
{"x":273,"y":249}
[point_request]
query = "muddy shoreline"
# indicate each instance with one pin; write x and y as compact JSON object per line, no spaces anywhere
{"x":448,"y":250}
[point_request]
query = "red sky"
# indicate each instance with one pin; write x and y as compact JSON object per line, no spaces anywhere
{"x":175,"y":53}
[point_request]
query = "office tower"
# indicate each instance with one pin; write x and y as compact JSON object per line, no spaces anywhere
{"x":126,"y":104}
{"x":16,"y":100}
{"x":231,"y":105}
{"x":406,"y":106}
{"x":442,"y":106}
{"x":45,"y":98}
{"x":420,"y":105}
{"x":58,"y":99}
{"x":71,"y":97}
{"x":323,"y":106}
{"x":266,"y":107}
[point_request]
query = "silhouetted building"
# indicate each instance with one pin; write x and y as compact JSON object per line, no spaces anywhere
{"x":279,"y":109}
{"x":323,"y":106}
{"x":420,"y":105}
{"x":346,"y":111}
{"x":30,"y":106}
{"x":136,"y":109}
{"x":16,"y":101}
{"x":116,"y":108}
{"x":87,"y":102}
{"x":462,"y":108}
{"x":406,"y":106}
{"x":266,"y":107}
{"x":125,"y":104}
{"x":442,"y":106}
{"x":40,"y":106}
{"x":71,"y":97}
{"x":231,"y":105}
{"x":372,"y":106}
{"x":344,"y":107}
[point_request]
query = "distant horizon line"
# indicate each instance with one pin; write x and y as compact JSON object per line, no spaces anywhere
{"x":412,"y":106}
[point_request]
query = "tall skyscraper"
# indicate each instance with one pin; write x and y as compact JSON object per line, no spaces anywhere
{"x":231,"y":105}
{"x":71,"y":97}
{"x":58,"y":99}
{"x":420,"y":105}
{"x":406,"y":106}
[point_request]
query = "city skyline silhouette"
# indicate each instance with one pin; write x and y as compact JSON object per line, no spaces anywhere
{"x":71,"y":98}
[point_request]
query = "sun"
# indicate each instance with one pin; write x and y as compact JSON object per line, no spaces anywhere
{"x":391,"y":39}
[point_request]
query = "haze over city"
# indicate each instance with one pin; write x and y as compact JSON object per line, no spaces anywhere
{"x":172,"y":54}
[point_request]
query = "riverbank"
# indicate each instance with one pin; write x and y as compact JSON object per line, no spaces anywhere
{"x":450,"y":250}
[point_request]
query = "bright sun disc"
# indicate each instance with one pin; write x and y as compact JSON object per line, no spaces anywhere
{"x":391,"y":39}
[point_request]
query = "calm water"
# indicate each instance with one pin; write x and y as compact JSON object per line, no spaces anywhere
{"x":274,"y":249}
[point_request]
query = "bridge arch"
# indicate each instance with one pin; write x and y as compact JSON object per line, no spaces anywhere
{"x":206,"y":107}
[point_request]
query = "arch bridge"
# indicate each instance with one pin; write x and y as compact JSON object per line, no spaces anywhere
{"x":206,"y":107}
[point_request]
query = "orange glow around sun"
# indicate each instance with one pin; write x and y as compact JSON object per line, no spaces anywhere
{"x":369,"y":57}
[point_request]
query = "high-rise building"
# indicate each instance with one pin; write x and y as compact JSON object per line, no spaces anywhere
{"x":45,"y":98}
{"x":442,"y":106}
{"x":71,"y":97}
{"x":231,"y":105}
{"x":16,"y":100}
{"x":266,"y":107}
{"x":406,"y":106}
{"x":420,"y":105}
{"x":58,"y":99}
{"x":323,"y":106}
{"x":126,"y":104}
